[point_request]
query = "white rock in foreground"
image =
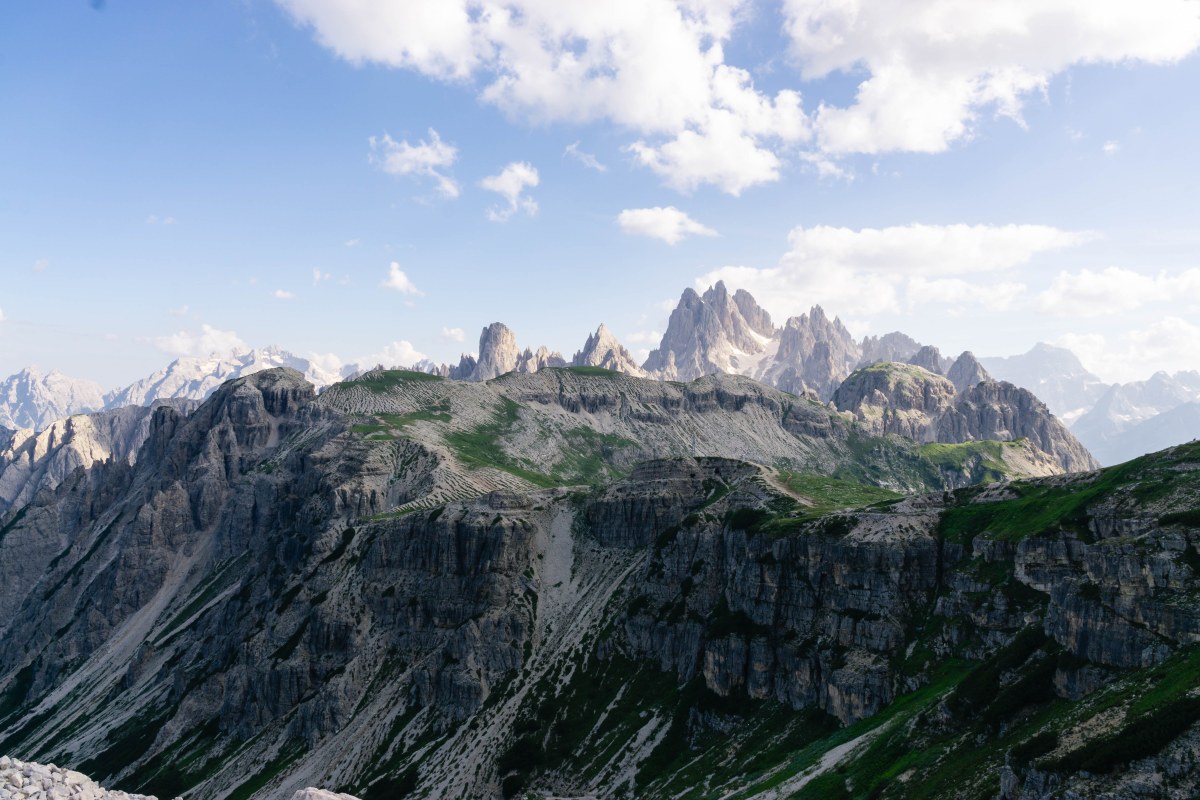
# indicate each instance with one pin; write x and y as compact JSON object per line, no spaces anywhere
{"x":27,"y":781}
{"x":36,"y":781}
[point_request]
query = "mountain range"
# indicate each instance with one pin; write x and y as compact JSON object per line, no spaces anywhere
{"x":713,"y":332}
{"x":578,"y":583}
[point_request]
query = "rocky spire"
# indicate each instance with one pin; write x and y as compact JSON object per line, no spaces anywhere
{"x":966,"y":371}
{"x":929,"y":358}
{"x":603,"y":350}
{"x":814,"y":353}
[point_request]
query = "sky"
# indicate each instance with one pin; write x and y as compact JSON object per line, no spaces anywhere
{"x":361,"y":179}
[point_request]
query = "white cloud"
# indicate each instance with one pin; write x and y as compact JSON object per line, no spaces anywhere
{"x":669,"y":224}
{"x":721,"y":155}
{"x":397,"y":280}
{"x":1111,"y":147}
{"x":424,"y":158}
{"x":1170,"y":344}
{"x":454,"y":334}
{"x":154,"y":219}
{"x":928,"y":250}
{"x":934,"y":66}
{"x":1091,"y":293}
{"x":872,"y":270}
{"x":958,"y":294}
{"x":511,"y":184}
{"x":283,"y":294}
{"x":587,"y":159}
{"x":396,"y":354}
{"x":318,"y":276}
{"x":926,"y":70}
{"x":207,"y":341}
{"x":40,"y":265}
{"x":654,"y":67}
{"x":784,"y":290}
{"x":182,"y":311}
{"x":326,"y":362}
{"x":2,"y":317}
{"x":353,"y":242}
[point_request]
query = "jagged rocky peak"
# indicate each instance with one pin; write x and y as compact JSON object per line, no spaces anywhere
{"x":29,"y":399}
{"x":756,"y":317}
{"x":196,"y":377}
{"x":603,"y":350}
{"x":928,"y":357}
{"x":966,"y":371}
{"x":814,"y":353}
{"x":712,"y":333}
{"x":894,"y":346}
{"x":536,"y":360}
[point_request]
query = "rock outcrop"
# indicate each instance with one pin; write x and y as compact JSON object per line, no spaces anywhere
{"x":901,"y":399}
{"x":999,"y":411}
{"x":894,"y":346}
{"x":907,"y":400}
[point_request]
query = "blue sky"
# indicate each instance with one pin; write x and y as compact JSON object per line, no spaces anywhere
{"x":178,"y":176}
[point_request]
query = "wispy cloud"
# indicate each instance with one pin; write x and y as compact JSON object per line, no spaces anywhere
{"x":587,"y":159}
{"x":398,"y":281}
{"x":283,"y":294}
{"x":454,"y":334}
{"x":668,"y":224}
{"x":511,"y":184}
{"x":429,"y":159}
{"x":1094,"y":293}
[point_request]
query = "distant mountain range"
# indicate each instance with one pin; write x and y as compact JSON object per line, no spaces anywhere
{"x":713,"y":332}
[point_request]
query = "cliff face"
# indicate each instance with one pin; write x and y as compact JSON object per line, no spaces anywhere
{"x":282,"y":591}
